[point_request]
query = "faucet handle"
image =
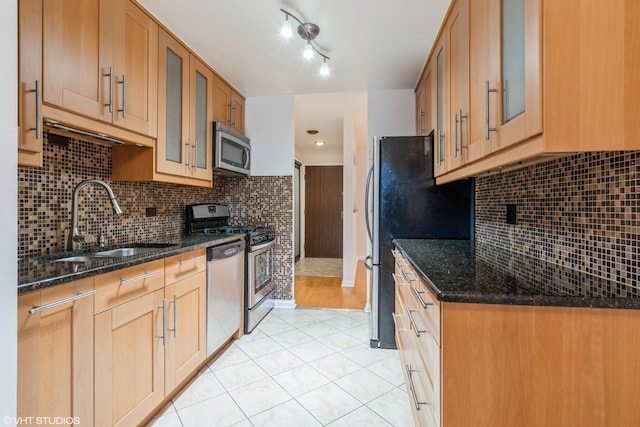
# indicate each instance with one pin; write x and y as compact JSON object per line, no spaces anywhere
{"x":101,"y":240}
{"x":84,"y":238}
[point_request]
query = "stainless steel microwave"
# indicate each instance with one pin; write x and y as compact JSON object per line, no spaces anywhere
{"x":231,"y":151}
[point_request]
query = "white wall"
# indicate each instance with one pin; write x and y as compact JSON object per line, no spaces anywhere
{"x":391,"y":113}
{"x":8,"y":214}
{"x":269,"y":124}
{"x":348,"y":221}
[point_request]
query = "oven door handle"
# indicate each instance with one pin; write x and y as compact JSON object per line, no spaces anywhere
{"x":261,"y":246}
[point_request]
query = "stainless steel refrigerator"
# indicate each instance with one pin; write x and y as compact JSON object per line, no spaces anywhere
{"x":402,"y":201}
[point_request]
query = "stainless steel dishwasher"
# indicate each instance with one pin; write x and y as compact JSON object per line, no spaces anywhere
{"x":225,"y":283}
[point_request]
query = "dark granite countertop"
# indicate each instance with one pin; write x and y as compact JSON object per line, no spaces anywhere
{"x":42,"y":272}
{"x":458,"y":271}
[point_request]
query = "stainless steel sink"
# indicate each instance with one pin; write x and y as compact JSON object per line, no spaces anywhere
{"x":125,"y":251}
{"x":120,"y":252}
{"x":79,"y":259}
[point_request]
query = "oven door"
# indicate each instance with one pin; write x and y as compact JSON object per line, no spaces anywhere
{"x":259,"y":272}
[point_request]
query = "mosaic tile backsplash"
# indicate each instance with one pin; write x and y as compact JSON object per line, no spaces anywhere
{"x":45,"y":197}
{"x":580,"y":212}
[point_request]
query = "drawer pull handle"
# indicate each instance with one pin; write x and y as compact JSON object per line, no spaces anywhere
{"x":175,"y":316}
{"x":406,"y":276}
{"x":80,"y":295}
{"x":413,"y":388}
{"x":141,"y":277}
{"x":413,"y":322}
{"x":396,"y":281}
{"x":400,"y":262}
{"x":418,"y":293}
{"x":163,"y":337}
{"x":393,"y":316}
{"x":189,"y":261}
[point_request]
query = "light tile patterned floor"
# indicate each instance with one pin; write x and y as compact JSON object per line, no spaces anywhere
{"x":302,"y":368}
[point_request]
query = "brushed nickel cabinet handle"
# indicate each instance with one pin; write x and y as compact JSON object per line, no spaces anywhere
{"x":461,"y":117}
{"x":191,"y":260}
{"x":413,"y":322}
{"x":418,"y":293}
{"x":110,"y":75}
{"x":406,"y":276}
{"x":78,"y":296}
{"x":413,"y":388}
{"x":124,"y":96}
{"x":163,"y":337}
{"x":393,"y":316}
{"x":395,"y":280}
{"x":175,"y":316}
{"x":38,"y":92}
{"x":141,"y":277}
{"x":487,"y":129}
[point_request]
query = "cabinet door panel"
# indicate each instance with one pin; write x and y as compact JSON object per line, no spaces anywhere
{"x":173,"y":106}
{"x":30,"y":72}
{"x":186,"y":328}
{"x":55,"y":354}
{"x":135,"y":64}
{"x":77,"y":54}
{"x":237,"y":111}
{"x":129,"y":360}
{"x":221,"y":101}
{"x":441,"y":136}
{"x":200,"y":158}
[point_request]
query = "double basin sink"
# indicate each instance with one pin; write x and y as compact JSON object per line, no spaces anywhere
{"x":125,"y":251}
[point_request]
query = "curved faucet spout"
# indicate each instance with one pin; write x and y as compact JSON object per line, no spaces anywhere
{"x":75,"y":238}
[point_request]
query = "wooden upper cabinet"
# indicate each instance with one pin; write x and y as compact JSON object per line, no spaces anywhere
{"x":77,"y":55}
{"x":421,"y":100}
{"x":457,"y":47}
{"x":185,"y":111}
{"x":520,"y":90}
{"x":228,"y":105}
{"x":30,"y":82}
{"x":237,"y":111}
{"x":439,"y":67}
{"x":135,"y":77}
{"x":99,"y":61}
{"x":484,"y":76}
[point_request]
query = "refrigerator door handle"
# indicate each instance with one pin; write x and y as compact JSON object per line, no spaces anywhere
{"x":366,"y":205}
{"x":368,"y":263}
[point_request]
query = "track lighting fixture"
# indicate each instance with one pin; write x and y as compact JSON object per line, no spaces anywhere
{"x":308,"y":32}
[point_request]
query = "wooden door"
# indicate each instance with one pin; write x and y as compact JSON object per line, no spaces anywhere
{"x":458,"y":86}
{"x":29,"y":75}
{"x":55,"y":353}
{"x":173,"y":105}
{"x":186,"y":328}
{"x":484,"y":77}
{"x":323,"y":211}
{"x":77,"y":55}
{"x":135,"y":91}
{"x":129,"y":360}
{"x":221,"y":101}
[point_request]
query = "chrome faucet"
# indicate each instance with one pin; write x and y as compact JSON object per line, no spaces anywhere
{"x":75,"y":238}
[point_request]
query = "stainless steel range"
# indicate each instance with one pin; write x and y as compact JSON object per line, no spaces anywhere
{"x":211,"y":218}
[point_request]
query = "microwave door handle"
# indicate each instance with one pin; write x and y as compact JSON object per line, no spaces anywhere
{"x":245,"y":157}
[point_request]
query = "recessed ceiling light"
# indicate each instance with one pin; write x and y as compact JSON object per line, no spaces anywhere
{"x":312,"y":132}
{"x":319,"y":142}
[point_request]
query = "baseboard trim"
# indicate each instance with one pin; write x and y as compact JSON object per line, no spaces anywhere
{"x":348,"y":284}
{"x":284,"y":303}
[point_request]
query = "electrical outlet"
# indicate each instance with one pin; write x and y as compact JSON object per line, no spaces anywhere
{"x":511,"y":214}
{"x":152,"y":212}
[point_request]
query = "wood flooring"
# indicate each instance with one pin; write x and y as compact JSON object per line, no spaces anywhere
{"x":328,"y":292}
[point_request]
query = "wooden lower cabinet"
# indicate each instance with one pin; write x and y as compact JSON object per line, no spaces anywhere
{"x":55,"y":354}
{"x":494,"y":365}
{"x":130,"y":343}
{"x":186,"y":328}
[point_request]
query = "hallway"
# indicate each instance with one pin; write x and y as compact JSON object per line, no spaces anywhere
{"x":313,"y":291}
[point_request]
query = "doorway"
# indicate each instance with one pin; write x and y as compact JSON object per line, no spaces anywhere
{"x":323,"y":212}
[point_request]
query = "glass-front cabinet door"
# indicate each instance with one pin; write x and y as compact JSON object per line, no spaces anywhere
{"x":173,"y":106}
{"x":521,"y":89}
{"x":201,"y":128}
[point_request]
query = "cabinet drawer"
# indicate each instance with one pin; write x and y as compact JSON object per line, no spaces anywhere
{"x":401,"y":324}
{"x":421,"y":393}
{"x":429,"y":354}
{"x":181,"y":266}
{"x":124,"y":285}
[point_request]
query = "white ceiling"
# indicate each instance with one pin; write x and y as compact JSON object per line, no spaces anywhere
{"x":373,"y":45}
